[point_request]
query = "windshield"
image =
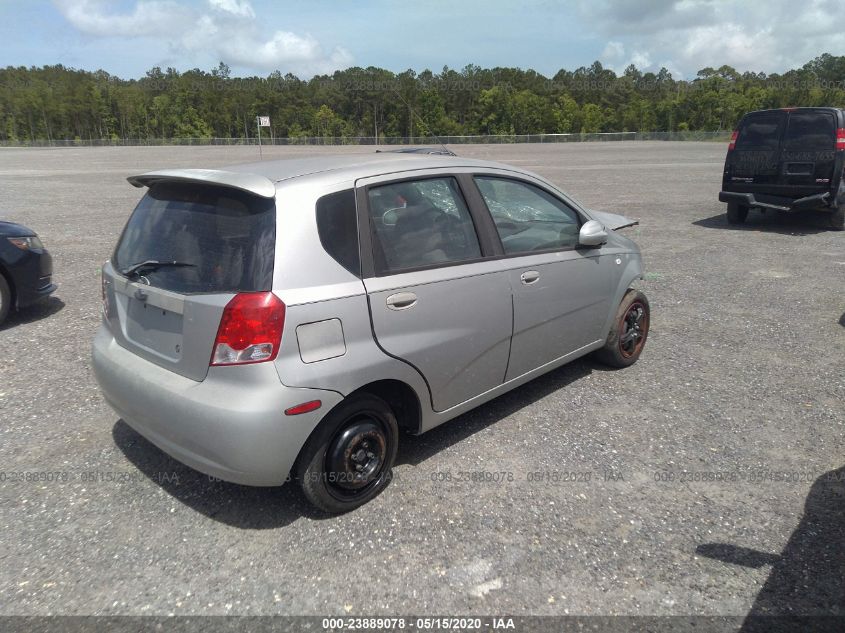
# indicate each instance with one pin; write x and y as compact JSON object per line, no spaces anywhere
{"x":224,"y":238}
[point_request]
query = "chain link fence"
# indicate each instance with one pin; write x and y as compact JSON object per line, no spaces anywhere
{"x":578,"y":137}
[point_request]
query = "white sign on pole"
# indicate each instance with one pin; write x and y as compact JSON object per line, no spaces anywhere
{"x":264,"y":121}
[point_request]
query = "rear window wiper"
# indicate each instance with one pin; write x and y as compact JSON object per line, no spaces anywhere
{"x":153,"y":264}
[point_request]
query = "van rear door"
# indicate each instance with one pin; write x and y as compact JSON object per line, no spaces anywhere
{"x":754,"y":163}
{"x":809,"y":152}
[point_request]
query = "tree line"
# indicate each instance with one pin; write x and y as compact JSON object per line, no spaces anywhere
{"x":55,"y":102}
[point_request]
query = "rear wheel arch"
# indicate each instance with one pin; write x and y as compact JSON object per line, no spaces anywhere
{"x":401,"y":398}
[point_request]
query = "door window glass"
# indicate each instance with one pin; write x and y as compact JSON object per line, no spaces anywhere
{"x":420,"y":223}
{"x":528,"y":218}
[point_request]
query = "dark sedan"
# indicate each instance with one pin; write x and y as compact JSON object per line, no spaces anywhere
{"x":26,"y":268}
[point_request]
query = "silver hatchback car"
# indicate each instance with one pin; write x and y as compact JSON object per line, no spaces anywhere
{"x":283,"y":320}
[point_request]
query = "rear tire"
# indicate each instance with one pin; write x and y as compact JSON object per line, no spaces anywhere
{"x":836,"y":220}
{"x":737,"y":213}
{"x":347,"y":461}
{"x":5,"y":299}
{"x":628,"y":333}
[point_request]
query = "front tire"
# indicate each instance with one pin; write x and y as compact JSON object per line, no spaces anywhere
{"x":347,"y":461}
{"x":629,"y":332}
{"x":737,"y":213}
{"x":5,"y":299}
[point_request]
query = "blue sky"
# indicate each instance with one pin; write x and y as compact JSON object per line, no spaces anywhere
{"x":306,"y":37}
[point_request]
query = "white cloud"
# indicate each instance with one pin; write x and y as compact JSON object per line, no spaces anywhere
{"x":303,"y":52}
{"x":235,"y":7}
{"x":228,"y":30}
{"x":149,"y":17}
{"x":688,"y":35}
{"x":614,"y":57}
{"x":613,"y":52}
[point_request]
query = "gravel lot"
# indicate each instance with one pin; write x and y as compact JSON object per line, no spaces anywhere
{"x":716,"y":481}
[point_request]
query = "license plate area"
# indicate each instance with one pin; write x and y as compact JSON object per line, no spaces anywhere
{"x":155,"y":329}
{"x":799,"y":169}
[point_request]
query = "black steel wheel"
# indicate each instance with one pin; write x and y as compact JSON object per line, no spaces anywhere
{"x":347,"y":460}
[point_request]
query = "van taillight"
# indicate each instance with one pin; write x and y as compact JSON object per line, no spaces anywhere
{"x":732,"y":144}
{"x":840,"y":138}
{"x":250,"y":329}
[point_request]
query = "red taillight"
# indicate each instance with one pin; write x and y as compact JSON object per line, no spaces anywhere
{"x":732,"y":144}
{"x":840,"y":138}
{"x":250,"y":329}
{"x":305,"y":407}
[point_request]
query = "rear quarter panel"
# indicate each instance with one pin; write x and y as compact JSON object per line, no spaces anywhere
{"x":315,"y":289}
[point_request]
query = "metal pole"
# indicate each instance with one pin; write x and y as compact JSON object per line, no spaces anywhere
{"x":258,"y":121}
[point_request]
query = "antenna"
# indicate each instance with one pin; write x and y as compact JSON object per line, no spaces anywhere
{"x":424,"y":124}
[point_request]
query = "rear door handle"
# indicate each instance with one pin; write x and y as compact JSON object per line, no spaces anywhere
{"x":401,"y":301}
{"x":529,"y":277}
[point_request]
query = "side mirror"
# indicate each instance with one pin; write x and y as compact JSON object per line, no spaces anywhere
{"x":592,"y":234}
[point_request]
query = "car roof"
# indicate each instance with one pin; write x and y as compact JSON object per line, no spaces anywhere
{"x":355,"y":165}
{"x":803,"y":109}
{"x":262,"y":177}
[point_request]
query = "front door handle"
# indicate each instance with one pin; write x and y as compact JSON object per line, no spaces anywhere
{"x":529,"y":277}
{"x":401,"y":301}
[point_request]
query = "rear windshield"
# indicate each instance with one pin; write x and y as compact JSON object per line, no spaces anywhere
{"x":810,"y":130}
{"x":226,"y":237}
{"x":761,"y":131}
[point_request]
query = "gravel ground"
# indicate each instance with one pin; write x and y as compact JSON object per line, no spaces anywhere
{"x":709,"y":476}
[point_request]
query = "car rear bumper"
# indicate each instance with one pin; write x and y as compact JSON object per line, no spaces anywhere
{"x":231,"y":425}
{"x":815,"y":202}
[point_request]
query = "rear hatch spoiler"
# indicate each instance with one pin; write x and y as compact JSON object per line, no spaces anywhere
{"x":251,"y":183}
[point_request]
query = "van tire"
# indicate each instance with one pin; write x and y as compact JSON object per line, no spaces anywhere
{"x":737,"y":213}
{"x":5,"y":298}
{"x":836,"y":220}
{"x":360,"y":433}
{"x":618,"y":353}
